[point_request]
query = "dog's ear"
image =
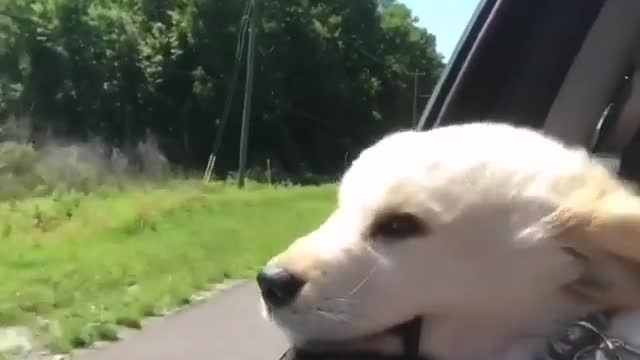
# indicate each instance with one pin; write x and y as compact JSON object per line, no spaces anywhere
{"x":599,"y":225}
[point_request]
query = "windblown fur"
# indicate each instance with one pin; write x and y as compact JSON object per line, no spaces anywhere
{"x":518,"y":234}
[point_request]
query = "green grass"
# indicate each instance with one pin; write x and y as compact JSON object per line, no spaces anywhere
{"x":74,"y":267}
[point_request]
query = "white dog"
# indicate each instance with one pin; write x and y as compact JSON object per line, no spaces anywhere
{"x":494,"y":234}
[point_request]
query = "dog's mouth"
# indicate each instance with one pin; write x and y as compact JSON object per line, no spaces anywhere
{"x":584,"y":336}
{"x":401,"y":339}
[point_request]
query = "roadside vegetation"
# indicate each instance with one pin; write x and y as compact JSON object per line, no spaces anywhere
{"x":76,"y":266}
{"x":110,"y":111}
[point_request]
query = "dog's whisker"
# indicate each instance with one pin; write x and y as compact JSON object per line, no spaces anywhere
{"x":364,"y":281}
{"x":345,"y":300}
{"x":333,"y":316}
{"x":377,"y":255}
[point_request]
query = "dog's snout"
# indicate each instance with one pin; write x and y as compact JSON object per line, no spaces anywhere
{"x":279,"y":287}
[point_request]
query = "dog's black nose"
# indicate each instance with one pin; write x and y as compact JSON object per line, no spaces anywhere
{"x":279,"y":287}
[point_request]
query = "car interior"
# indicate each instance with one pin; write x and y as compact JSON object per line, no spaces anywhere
{"x":569,"y":67}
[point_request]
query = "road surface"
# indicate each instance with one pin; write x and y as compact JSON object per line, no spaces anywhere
{"x":226,"y":327}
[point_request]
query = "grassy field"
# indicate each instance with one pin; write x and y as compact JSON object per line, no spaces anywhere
{"x":73,"y":267}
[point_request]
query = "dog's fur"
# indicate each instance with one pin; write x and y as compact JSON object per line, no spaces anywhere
{"x":518,"y":233}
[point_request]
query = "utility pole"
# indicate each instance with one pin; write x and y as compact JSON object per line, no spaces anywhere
{"x":248,"y":90}
{"x":414,"y":118}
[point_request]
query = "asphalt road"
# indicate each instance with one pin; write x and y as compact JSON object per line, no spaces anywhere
{"x":227,"y":327}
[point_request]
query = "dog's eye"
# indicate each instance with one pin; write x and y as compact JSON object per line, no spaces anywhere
{"x":396,"y":227}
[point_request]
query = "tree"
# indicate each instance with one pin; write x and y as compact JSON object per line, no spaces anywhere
{"x":331,"y":76}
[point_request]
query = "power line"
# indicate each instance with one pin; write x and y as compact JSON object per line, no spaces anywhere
{"x":217,"y":143}
{"x":234,"y":79}
{"x":244,"y":23}
{"x":416,"y":74}
{"x":248,"y":91}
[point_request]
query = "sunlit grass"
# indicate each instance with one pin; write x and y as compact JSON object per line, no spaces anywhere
{"x":74,"y":267}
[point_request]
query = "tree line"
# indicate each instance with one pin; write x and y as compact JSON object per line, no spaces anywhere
{"x":330,"y":76}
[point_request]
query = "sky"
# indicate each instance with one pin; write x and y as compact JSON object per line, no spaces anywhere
{"x":446,"y":19}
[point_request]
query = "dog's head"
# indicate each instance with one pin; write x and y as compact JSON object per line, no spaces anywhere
{"x":487,"y":224}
